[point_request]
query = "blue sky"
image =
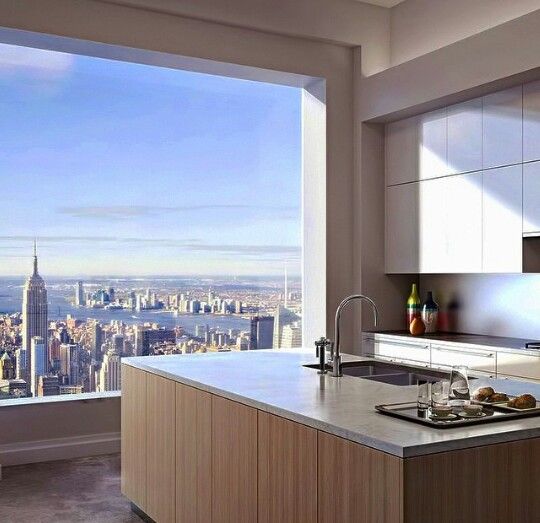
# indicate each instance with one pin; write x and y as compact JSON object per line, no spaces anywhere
{"x":128,"y":169}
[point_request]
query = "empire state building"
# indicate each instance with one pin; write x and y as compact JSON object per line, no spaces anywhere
{"x":34,"y":311}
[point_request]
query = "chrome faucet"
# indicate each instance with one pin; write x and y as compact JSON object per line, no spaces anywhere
{"x":335,"y":349}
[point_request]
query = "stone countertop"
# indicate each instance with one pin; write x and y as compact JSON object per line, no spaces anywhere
{"x":497,"y":342}
{"x":276,"y":381}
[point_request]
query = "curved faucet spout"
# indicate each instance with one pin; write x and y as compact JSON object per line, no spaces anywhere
{"x":336,"y":352}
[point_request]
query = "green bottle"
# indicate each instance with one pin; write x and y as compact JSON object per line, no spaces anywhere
{"x":414,"y":305}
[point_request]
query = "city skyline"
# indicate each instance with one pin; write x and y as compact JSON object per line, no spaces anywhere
{"x":44,"y":356}
{"x":88,"y":136}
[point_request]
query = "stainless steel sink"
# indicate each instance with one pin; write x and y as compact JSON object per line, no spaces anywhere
{"x":391,"y":373}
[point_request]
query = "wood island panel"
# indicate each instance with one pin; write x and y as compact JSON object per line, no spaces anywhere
{"x":357,"y":483}
{"x":482,"y":484}
{"x":287,"y":472}
{"x":133,"y":431}
{"x":193,"y":455}
{"x":234,"y":462}
{"x":160,"y":449}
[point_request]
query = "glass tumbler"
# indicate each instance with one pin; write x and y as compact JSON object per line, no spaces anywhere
{"x":459,"y":393}
{"x":439,"y":393}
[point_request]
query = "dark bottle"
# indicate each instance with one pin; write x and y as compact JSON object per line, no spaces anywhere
{"x":430,"y":314}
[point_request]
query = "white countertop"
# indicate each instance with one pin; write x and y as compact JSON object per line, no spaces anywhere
{"x":275,"y":381}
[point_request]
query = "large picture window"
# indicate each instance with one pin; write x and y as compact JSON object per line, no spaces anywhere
{"x":147,"y":211}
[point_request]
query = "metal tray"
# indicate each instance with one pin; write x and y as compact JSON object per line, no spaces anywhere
{"x":410,"y":412}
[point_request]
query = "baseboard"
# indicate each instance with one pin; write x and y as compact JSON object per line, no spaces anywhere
{"x":59,"y":448}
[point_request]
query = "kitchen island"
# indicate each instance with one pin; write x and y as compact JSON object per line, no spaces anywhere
{"x":256,"y":436}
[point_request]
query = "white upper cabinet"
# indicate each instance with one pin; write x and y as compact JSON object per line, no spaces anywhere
{"x":402,"y":229}
{"x":531,"y":198}
{"x":432,"y":225}
{"x":465,"y":137}
{"x":502,"y":128}
{"x":433,"y":145}
{"x":502,"y":220}
{"x":402,"y":151}
{"x":450,"y":222}
{"x":531,"y":122}
{"x":464,"y":223}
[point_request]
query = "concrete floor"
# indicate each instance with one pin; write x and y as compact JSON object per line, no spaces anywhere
{"x":80,"y":490}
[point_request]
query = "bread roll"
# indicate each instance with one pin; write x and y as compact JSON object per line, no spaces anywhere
{"x":483,"y":393}
{"x":525,"y":401}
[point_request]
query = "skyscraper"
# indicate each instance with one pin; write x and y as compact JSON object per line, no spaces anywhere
{"x":109,"y":376}
{"x":96,"y":340}
{"x":7,"y":372}
{"x":282,"y":317}
{"x":261,"y":332}
{"x":34,"y":312}
{"x":38,"y":360}
{"x":48,"y":386}
{"x":79,"y":294}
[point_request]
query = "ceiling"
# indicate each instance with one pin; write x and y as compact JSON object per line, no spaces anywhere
{"x":383,"y":3}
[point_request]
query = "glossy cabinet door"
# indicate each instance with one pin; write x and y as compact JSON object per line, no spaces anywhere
{"x":432,"y":224}
{"x":234,"y":462}
{"x":463,"y":225}
{"x":193,"y":455}
{"x":502,"y":128}
{"x":451,"y":224}
{"x":465,"y":137}
{"x":133,"y":423}
{"x":287,"y":471}
{"x":531,"y":198}
{"x":401,"y":252}
{"x":531,"y":121}
{"x":402,"y":151}
{"x":502,"y":220}
{"x":519,"y":365}
{"x":160,"y":449}
{"x":433,"y":145}
{"x":446,"y":356}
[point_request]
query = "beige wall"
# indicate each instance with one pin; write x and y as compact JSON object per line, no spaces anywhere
{"x":421,"y":26}
{"x":346,"y":22}
{"x":59,"y":430}
{"x":505,"y":55}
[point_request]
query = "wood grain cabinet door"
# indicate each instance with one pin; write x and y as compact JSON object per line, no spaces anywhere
{"x":234,"y":462}
{"x":287,"y":471}
{"x":358,"y":484}
{"x":160,"y":449}
{"x":193,"y":455}
{"x":134,"y":435}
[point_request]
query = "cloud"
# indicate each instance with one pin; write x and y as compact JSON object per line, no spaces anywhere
{"x":186,"y":245}
{"x":37,"y":62}
{"x":247,"y":249}
{"x":125,"y":212}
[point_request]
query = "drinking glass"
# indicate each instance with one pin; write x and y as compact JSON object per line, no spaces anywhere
{"x":459,"y":393}
{"x":423,"y":395}
{"x":439,"y":393}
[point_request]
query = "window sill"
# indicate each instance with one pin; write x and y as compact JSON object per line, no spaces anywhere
{"x":85,"y":396}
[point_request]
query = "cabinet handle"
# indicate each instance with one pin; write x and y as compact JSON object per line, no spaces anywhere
{"x":403,"y":344}
{"x":465,"y":352}
{"x":393,"y":358}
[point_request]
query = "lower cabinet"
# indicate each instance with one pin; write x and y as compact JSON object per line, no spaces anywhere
{"x":287,"y":471}
{"x":160,"y":449}
{"x":133,"y":430}
{"x":193,"y":455}
{"x":519,"y":365}
{"x":190,"y":456}
{"x":234,"y":462}
{"x":357,"y":483}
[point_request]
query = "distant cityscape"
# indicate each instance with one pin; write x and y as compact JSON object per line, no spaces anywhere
{"x":43,"y":354}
